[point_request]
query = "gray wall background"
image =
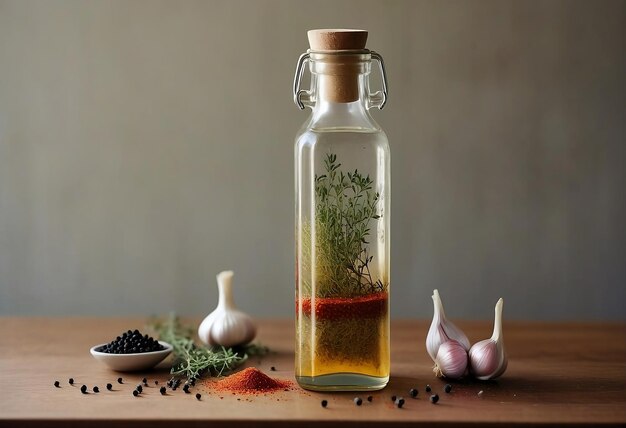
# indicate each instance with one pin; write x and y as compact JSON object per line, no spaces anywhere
{"x":147,"y":145}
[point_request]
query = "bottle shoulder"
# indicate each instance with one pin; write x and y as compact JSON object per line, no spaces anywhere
{"x":341,"y":117}
{"x":310,"y":139}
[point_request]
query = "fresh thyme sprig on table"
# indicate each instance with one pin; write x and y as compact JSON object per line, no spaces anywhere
{"x":192,"y":360}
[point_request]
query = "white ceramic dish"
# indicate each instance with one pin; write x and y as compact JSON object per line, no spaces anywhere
{"x":132,"y":362}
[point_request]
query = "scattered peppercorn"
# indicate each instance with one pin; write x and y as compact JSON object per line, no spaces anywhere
{"x":71,"y":381}
{"x":96,"y":389}
{"x":393,"y":398}
{"x":156,"y":382}
{"x":273,"y":368}
{"x":193,"y":381}
{"x":145,"y":381}
{"x":119,"y":380}
{"x":83,"y":389}
{"x":109,"y":386}
{"x":358,"y":401}
{"x":163,"y":390}
{"x":447,"y":388}
{"x":413,"y":392}
{"x":139,"y":388}
{"x":186,"y":389}
{"x":400,"y":402}
{"x":324,"y":403}
{"x":434,"y":399}
{"x":56,"y":383}
{"x":198,"y":396}
{"x":428,"y":389}
{"x":370,"y":398}
{"x":135,"y":393}
{"x":131,"y":342}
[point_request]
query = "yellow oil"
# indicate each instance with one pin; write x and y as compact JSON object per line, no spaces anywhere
{"x":342,"y":354}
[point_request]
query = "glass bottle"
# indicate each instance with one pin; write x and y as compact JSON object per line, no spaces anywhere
{"x":342,"y":219}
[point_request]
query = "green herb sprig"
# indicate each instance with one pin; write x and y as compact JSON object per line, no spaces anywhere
{"x":192,"y":360}
{"x":346,"y":204}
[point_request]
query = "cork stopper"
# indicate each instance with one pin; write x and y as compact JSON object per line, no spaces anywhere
{"x":337,"y":39}
{"x":340,"y":82}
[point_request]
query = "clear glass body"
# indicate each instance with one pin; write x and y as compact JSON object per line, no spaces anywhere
{"x":342,"y":242}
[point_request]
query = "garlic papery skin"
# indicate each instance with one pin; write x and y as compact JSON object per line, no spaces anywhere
{"x":451,"y":360}
{"x":487,"y":358}
{"x":226,"y":326}
{"x":441,"y":330}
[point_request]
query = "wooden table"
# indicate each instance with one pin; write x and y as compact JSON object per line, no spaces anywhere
{"x":558,"y":374}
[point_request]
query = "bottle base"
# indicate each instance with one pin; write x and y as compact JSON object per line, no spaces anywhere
{"x":342,"y":382}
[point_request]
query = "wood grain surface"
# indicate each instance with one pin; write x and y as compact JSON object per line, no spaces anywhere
{"x":558,"y":374}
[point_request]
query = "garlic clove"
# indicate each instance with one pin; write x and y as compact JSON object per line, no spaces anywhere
{"x":441,"y":330}
{"x":488,"y":359}
{"x":451,"y":360}
{"x":226,"y":326}
{"x":484,"y":359}
{"x":231,"y":329}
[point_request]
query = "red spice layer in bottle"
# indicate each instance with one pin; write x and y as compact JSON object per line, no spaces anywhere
{"x":250,"y":381}
{"x":327,"y":308}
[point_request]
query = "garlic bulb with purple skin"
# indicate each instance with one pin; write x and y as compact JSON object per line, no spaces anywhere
{"x":226,"y":326}
{"x":487,"y":358}
{"x":451,"y":360}
{"x":442,"y":330}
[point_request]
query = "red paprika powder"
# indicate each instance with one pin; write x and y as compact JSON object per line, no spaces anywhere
{"x":251,"y":381}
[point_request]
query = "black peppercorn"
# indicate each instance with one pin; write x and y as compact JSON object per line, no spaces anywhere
{"x":156,"y":382}
{"x":83,"y":389}
{"x":324,"y":403}
{"x":139,"y":388}
{"x":370,"y":398}
{"x":428,"y":389}
{"x":434,"y":399}
{"x":129,"y":343}
{"x":135,"y":392}
{"x":163,"y":390}
{"x":186,"y":389}
{"x":198,"y":396}
{"x":145,"y":381}
{"x":109,"y":386}
{"x":56,"y":383}
{"x":400,"y":402}
{"x":71,"y":381}
{"x":393,"y":398}
{"x":96,"y":389}
{"x":119,"y":380}
{"x":358,"y":401}
{"x":273,"y":368}
{"x":413,"y":392}
{"x":447,"y":388}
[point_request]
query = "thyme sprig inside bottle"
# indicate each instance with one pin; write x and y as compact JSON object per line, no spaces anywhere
{"x":346,"y":204}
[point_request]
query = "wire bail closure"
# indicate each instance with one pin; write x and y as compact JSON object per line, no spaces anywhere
{"x":379,"y":98}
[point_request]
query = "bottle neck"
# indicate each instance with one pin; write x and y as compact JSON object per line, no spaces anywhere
{"x":341,"y":101}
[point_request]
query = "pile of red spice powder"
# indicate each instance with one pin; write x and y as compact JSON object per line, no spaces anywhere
{"x":250,"y":381}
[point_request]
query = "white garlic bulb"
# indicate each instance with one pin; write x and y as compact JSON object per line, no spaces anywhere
{"x":442,"y":330}
{"x":487,"y":358}
{"x":226,"y":325}
{"x":451,"y":360}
